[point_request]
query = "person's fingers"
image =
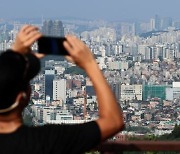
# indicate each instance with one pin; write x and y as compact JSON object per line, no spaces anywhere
{"x":30,"y":29}
{"x":24,"y":28}
{"x":39,"y":55}
{"x":72,"y":41}
{"x":76,"y":43}
{"x":69,"y":59}
{"x":31,"y":35}
{"x":68,"y":47}
{"x":32,"y":39}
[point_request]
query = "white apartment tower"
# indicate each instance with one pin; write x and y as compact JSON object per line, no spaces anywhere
{"x":59,"y":90}
{"x":131,"y":92}
{"x":152,"y":24}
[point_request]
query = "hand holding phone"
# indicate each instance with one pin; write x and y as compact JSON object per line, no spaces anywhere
{"x":52,"y":45}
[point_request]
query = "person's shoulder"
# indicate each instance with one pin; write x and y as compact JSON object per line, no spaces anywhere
{"x":45,"y":127}
{"x":53,"y":128}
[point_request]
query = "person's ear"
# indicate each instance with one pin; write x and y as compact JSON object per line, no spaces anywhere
{"x":21,"y":97}
{"x":24,"y":95}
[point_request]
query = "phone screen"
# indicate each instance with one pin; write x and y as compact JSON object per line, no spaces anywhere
{"x":52,"y":45}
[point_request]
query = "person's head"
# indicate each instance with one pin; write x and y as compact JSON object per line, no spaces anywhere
{"x":16,"y":71}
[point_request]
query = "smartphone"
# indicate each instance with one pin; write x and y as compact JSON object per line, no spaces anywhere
{"x":52,"y":45}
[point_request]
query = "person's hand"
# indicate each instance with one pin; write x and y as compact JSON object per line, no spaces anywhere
{"x":79,"y":53}
{"x":25,"y":38}
{"x":39,"y":55}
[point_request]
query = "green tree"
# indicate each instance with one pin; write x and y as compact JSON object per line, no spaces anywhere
{"x":75,"y":71}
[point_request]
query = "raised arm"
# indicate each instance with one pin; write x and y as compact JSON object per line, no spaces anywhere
{"x":27,"y":35}
{"x":110,"y":115}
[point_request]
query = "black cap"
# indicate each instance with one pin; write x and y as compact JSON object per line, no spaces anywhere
{"x":16,"y":70}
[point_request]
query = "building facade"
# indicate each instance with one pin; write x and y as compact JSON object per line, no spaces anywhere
{"x":59,"y":90}
{"x":131,"y":92}
{"x":53,"y":28}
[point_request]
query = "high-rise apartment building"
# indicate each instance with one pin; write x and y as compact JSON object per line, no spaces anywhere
{"x":157,"y":22}
{"x":59,"y":90}
{"x":116,"y":88}
{"x":49,"y":77}
{"x":152,"y":24}
{"x":166,"y":22}
{"x":53,"y":28}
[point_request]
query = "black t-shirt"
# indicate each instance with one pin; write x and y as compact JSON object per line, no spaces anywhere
{"x":51,"y":139}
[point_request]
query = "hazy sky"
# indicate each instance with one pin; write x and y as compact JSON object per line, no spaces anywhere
{"x":90,"y":9}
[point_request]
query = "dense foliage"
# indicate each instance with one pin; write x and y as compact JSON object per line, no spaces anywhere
{"x":75,"y":71}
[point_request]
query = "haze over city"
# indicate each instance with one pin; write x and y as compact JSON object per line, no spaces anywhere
{"x":101,"y":9}
{"x":136,"y":44}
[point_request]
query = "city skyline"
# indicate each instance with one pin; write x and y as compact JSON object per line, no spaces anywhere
{"x":142,"y":70}
{"x":102,"y":9}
